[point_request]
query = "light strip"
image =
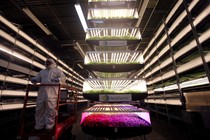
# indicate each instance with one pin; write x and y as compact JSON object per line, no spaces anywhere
{"x":203,"y":37}
{"x":196,"y":82}
{"x":15,"y":67}
{"x":189,"y":65}
{"x":115,"y":84}
{"x":162,"y":26}
{"x":37,"y":21}
{"x":193,"y":63}
{"x":7,"y":50}
{"x":13,"y":80}
{"x":176,"y":6}
{"x":21,"y":45}
{"x":17,"y":93}
{"x":81,"y":17}
{"x":99,"y":32}
{"x":109,"y":0}
{"x":173,"y":25}
{"x":156,"y":46}
{"x":14,"y":106}
{"x":80,"y":50}
{"x":114,"y":56}
{"x":162,"y":101}
{"x":80,"y":66}
{"x":187,"y":29}
{"x":202,"y":15}
{"x":191,"y":83}
{"x":112,"y":13}
{"x":181,"y":16}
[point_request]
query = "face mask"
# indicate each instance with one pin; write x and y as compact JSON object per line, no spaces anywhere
{"x":49,"y":65}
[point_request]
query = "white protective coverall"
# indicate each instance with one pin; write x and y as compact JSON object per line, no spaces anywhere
{"x":47,"y":95}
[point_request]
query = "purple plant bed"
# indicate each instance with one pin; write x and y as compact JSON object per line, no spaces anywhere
{"x":115,"y":125}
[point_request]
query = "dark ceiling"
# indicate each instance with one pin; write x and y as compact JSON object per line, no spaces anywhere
{"x":60,"y":17}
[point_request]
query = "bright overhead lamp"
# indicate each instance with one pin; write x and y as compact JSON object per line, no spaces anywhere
{"x":112,"y":13}
{"x":115,"y":84}
{"x":80,"y":50}
{"x":14,"y":106}
{"x":114,"y":57}
{"x":81,"y":16}
{"x":80,"y":66}
{"x":37,"y":21}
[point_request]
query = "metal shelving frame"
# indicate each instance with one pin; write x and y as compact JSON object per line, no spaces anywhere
{"x":187,"y":39}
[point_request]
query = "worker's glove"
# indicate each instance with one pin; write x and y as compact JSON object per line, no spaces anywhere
{"x":56,"y":80}
{"x":33,"y":81}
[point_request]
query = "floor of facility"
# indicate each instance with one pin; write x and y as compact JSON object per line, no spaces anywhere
{"x":162,"y":129}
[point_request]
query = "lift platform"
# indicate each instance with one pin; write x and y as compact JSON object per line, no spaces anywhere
{"x":66,"y":116}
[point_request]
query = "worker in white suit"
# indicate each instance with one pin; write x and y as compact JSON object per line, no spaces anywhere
{"x":46,"y":102}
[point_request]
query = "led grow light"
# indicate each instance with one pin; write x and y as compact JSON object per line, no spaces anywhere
{"x":111,"y":75}
{"x":114,"y":86}
{"x":112,"y":13}
{"x":109,"y":0}
{"x":121,"y":57}
{"x":113,"y":34}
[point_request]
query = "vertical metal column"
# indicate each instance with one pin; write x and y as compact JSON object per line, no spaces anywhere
{"x":154,"y":92}
{"x":182,"y":98}
{"x":8,"y":64}
{"x":163,"y":85}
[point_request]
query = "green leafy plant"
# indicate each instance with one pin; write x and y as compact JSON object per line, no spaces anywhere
{"x":118,"y":17}
{"x":111,"y":92}
{"x":111,"y":63}
{"x":192,"y":76}
{"x":112,"y":38}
